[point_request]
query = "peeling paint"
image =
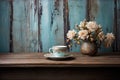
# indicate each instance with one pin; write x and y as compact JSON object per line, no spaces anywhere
{"x":56,"y":7}
{"x":39,"y":27}
{"x":56,"y":4}
{"x":55,"y":11}
{"x":35,"y":6}
{"x":56,"y":30}
{"x":94,"y":8}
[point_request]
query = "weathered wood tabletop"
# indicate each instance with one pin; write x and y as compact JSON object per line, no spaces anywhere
{"x":38,"y":60}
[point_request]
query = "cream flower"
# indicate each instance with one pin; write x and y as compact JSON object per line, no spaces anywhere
{"x":71,"y":34}
{"x":92,"y":26}
{"x":101,"y":36}
{"x":82,"y":24}
{"x":83,"y":34}
{"x":109,"y":39}
{"x":89,"y":31}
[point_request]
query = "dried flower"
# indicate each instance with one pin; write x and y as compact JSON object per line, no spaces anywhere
{"x":92,"y":26}
{"x":71,"y":34}
{"x":83,"y":34}
{"x":109,"y":39}
{"x":89,"y":31}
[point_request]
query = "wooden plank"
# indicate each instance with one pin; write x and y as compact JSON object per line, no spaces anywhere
{"x":66,"y":20}
{"x":52,"y":26}
{"x":33,"y":27}
{"x":45,"y":22}
{"x":102,"y":11}
{"x":115,"y":47}
{"x":77,"y":13}
{"x":39,"y":25}
{"x":4,"y":25}
{"x":118,"y":25}
{"x":25,"y":26}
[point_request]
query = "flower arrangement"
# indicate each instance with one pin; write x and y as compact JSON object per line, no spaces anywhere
{"x":89,"y":31}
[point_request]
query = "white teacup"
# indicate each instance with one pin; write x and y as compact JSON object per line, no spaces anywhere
{"x":58,"y":51}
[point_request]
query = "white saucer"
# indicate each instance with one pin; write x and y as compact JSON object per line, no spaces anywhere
{"x":50,"y":56}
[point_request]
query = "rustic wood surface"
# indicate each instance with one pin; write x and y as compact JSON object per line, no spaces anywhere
{"x":33,"y":66}
{"x":38,"y":60}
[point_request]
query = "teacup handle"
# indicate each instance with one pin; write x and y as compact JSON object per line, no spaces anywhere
{"x":50,"y":50}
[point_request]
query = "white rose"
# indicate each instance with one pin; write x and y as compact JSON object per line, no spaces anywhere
{"x":92,"y":26}
{"x":83,"y":34}
{"x":71,"y":34}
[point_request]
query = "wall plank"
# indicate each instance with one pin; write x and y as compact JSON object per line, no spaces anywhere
{"x":25,"y":26}
{"x":52,"y":26}
{"x":77,"y":13}
{"x":118,"y":25}
{"x":4,"y":25}
{"x":102,"y":11}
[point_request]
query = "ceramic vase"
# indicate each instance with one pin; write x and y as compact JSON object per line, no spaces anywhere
{"x":89,"y":48}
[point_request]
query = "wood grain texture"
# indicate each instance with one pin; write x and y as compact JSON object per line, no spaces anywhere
{"x":77,"y":13}
{"x":39,"y":25}
{"x":34,"y":66}
{"x":104,"y":15}
{"x":4,"y":25}
{"x":52,"y":27}
{"x":38,"y":60}
{"x":66,"y":19}
{"x":25,"y":26}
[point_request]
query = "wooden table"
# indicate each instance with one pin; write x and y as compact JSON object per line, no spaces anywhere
{"x":34,"y":66}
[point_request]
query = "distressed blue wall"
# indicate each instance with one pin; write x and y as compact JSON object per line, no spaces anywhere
{"x":37,"y":25}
